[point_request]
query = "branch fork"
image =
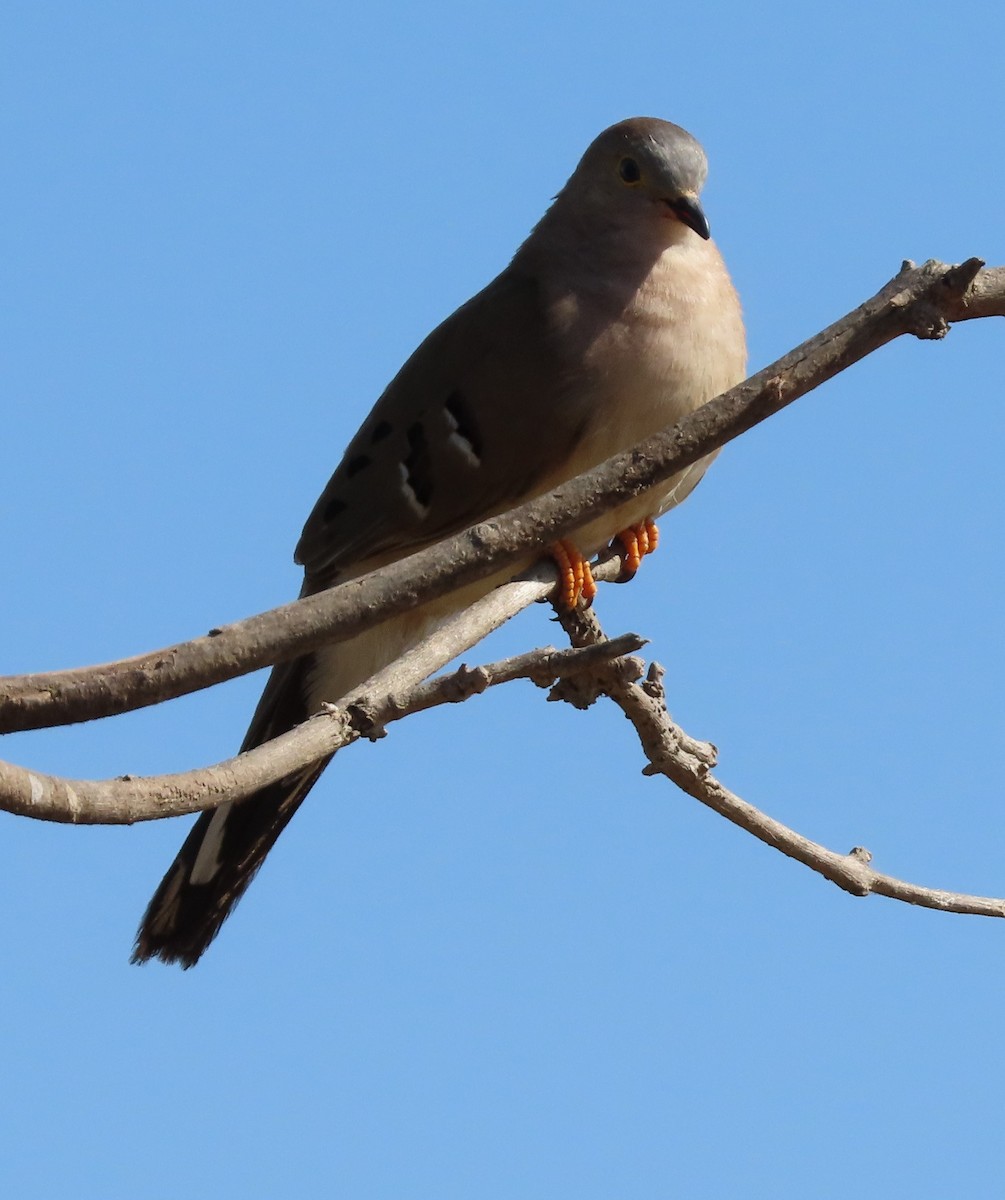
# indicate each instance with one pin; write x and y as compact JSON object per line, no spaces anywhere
{"x":922,"y":301}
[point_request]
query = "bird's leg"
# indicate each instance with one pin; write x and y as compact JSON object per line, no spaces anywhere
{"x":636,"y":541}
{"x":575,"y":577}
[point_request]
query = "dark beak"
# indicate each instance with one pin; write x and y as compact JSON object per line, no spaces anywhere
{"x":689,"y":211}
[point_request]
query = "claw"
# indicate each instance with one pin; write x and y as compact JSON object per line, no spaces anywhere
{"x":637,"y":541}
{"x":575,"y":577}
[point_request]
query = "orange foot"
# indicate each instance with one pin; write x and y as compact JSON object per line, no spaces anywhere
{"x":574,"y":575}
{"x":637,"y":541}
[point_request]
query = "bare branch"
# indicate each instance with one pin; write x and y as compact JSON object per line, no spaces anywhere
{"x":687,"y":763}
{"x":392,"y":693}
{"x":920,"y":300}
{"x":542,"y":667}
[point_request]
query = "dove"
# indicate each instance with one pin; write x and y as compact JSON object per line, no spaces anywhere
{"x":615,"y":318}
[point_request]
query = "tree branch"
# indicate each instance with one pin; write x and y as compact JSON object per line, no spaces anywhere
{"x":919,"y":300}
{"x":392,"y":693}
{"x":688,"y":763}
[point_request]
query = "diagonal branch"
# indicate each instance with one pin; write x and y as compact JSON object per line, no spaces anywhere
{"x":919,"y":300}
{"x":688,"y":763}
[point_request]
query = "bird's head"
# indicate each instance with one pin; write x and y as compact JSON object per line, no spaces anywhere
{"x":642,"y":170}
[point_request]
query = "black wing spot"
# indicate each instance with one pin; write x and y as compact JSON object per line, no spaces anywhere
{"x":418,"y":464}
{"x":461,"y":417}
{"x":357,"y":464}
{"x":333,"y":509}
{"x":380,"y":431}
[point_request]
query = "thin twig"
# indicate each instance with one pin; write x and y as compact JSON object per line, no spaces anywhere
{"x":686,"y":762}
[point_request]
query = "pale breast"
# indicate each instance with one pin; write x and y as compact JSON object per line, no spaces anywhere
{"x":676,"y":345}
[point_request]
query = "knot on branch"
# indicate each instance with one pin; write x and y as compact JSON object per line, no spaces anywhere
{"x":482,"y":535}
{"x":927,"y":323}
{"x":366,"y":721}
{"x":653,"y":685}
{"x":464,"y":682}
{"x":929,"y":297}
{"x":959,"y":278}
{"x":586,"y":687}
{"x":362,"y":718}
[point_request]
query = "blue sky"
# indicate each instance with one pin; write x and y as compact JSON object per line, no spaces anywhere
{"x":489,"y":958}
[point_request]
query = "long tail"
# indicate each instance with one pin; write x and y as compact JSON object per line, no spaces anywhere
{"x":227,"y":845}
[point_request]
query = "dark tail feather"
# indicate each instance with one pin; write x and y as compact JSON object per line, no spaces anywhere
{"x":184,"y":916}
{"x":227,"y":845}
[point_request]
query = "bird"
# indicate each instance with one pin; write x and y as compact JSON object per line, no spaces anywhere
{"x":615,"y":318}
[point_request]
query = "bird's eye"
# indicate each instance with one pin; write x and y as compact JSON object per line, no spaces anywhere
{"x":629,"y":171}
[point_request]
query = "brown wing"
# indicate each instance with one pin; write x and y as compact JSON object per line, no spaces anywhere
{"x":470,"y":426}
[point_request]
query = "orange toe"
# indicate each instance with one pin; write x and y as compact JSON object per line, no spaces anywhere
{"x":575,"y":577}
{"x":637,"y":541}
